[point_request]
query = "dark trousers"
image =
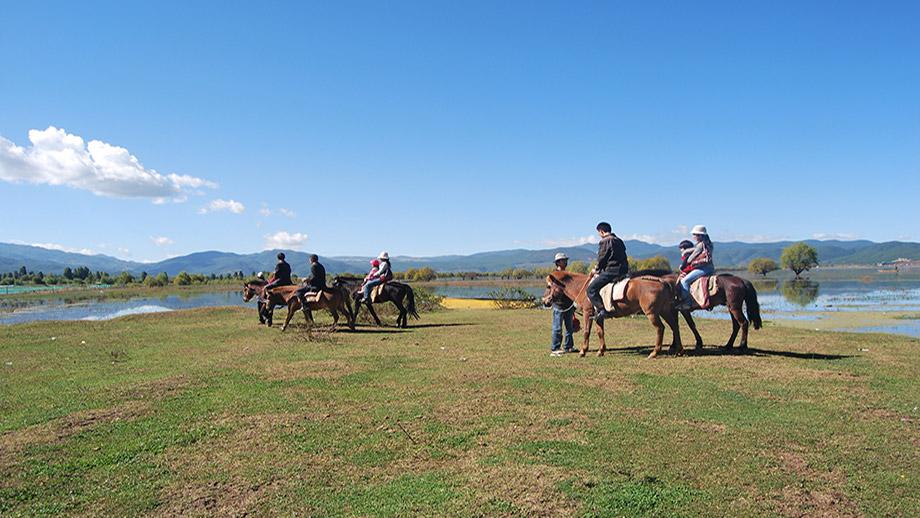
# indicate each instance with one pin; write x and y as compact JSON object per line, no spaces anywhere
{"x":594,"y":288}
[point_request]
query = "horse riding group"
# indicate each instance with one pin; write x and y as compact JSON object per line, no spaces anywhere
{"x":314,"y":294}
{"x":612,"y":291}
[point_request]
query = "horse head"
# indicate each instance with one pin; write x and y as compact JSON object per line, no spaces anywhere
{"x":554,"y":291}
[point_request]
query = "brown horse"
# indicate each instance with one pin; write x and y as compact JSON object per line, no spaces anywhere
{"x":733,"y":292}
{"x":333,"y":299}
{"x":645,"y":294}
{"x":253,"y":290}
{"x":392,"y":291}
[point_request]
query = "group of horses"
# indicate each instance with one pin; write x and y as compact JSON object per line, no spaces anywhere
{"x":653,"y":293}
{"x":343,"y":297}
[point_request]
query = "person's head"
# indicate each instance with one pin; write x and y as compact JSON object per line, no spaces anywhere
{"x":561,"y":260}
{"x":314,"y":258}
{"x":604,"y":228}
{"x":375,"y":263}
{"x":261,"y":276}
{"x":281,"y":256}
{"x":685,"y":245}
{"x":384,"y":256}
{"x":699,"y":233}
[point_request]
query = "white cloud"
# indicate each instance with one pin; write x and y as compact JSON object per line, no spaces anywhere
{"x":56,"y":157}
{"x":222,"y":205}
{"x":265,"y":212}
{"x":571,"y":241}
{"x":285,"y":240}
{"x":287,"y":212}
{"x":60,"y":248}
{"x":842,"y":236}
{"x":161,"y":240}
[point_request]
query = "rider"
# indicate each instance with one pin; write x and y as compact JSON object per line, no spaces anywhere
{"x":563,"y":315}
{"x":686,"y":248}
{"x":282,"y":275}
{"x":384,"y":274}
{"x":316,"y":282}
{"x":699,"y":262}
{"x":612,"y":265}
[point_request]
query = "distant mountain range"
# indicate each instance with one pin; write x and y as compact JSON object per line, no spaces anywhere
{"x":13,"y":256}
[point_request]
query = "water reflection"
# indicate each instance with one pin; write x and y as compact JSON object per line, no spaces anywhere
{"x":800,"y":292}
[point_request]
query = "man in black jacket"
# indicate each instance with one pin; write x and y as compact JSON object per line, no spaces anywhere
{"x":282,"y":275}
{"x":316,"y":282}
{"x":612,"y":265}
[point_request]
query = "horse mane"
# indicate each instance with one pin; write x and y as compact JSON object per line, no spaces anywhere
{"x":258,"y":282}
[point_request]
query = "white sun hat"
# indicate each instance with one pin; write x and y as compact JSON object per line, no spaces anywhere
{"x":699,"y":230}
{"x":560,"y":256}
{"x":383,"y":256}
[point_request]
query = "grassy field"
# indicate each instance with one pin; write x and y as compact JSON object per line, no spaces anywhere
{"x":203,"y":412}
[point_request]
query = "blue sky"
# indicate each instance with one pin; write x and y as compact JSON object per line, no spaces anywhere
{"x":454,"y":127}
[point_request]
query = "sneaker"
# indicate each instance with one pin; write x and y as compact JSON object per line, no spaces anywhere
{"x":556,"y":353}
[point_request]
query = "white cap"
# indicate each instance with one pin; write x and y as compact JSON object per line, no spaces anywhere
{"x":383,"y":256}
{"x":260,"y":275}
{"x":699,"y":230}
{"x":560,"y":256}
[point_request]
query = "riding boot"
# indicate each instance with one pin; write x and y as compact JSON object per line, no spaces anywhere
{"x":601,"y":315}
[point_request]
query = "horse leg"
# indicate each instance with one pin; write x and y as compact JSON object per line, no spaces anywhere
{"x":373,"y":313}
{"x":335,"y":317}
{"x":290,"y":314}
{"x":402,"y":321}
{"x":677,"y":347}
{"x":659,"y":329}
{"x":696,"y":334}
{"x":735,"y":326}
{"x":600,"y":336}
{"x":261,"y":309}
{"x":742,"y":322}
{"x":589,"y":320}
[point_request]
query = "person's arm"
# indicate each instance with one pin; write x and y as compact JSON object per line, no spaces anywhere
{"x":697,"y":250}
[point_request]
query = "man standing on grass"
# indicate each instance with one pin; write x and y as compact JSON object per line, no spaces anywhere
{"x":612,"y":265}
{"x":563,"y":315}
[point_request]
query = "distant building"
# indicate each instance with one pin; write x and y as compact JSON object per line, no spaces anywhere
{"x":898,"y":265}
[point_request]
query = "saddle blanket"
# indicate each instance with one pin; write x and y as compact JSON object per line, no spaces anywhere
{"x":702,"y":289}
{"x":376,"y":291}
{"x":613,"y":293}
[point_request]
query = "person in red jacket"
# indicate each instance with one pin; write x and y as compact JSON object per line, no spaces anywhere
{"x":686,"y":248}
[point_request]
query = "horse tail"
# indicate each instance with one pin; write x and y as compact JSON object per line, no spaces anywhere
{"x":411,"y":304}
{"x":753,"y":306}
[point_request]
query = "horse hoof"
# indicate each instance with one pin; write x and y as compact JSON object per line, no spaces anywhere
{"x":582,"y":353}
{"x":600,"y":353}
{"x":652,"y":356}
{"x":699,"y":345}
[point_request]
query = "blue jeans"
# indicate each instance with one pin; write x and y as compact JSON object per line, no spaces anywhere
{"x":560,"y":319}
{"x":369,"y":286}
{"x":692,"y":276}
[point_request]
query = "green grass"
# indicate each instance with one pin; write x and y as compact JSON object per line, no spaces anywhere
{"x":203,"y":412}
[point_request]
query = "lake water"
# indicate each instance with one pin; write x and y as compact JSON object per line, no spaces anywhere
{"x":58,"y":309}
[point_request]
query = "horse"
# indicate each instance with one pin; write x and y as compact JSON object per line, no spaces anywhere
{"x":646,"y":294}
{"x":253,"y":289}
{"x":334,"y":299}
{"x":395,"y":292}
{"x":733,"y":292}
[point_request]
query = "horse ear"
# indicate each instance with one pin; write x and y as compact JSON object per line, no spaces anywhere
{"x":552,"y":280}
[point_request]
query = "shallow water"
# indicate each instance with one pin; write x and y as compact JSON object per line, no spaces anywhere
{"x":58,"y":309}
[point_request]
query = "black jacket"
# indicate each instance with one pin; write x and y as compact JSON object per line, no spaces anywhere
{"x":283,"y":273}
{"x":611,"y":256}
{"x":317,"y":278}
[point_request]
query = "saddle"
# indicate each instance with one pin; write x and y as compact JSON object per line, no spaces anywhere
{"x":702,"y":289}
{"x":613,"y":293}
{"x":376,"y":291}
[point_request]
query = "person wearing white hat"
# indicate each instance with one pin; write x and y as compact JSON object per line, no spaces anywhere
{"x":563,"y":316}
{"x":699,"y":261}
{"x":384,"y":274}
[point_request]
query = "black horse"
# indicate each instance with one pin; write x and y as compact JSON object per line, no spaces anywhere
{"x":395,"y":292}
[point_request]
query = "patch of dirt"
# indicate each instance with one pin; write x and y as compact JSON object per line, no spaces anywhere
{"x":215,"y":479}
{"x":881,"y":413}
{"x":326,"y":369}
{"x":704,"y":426}
{"x":55,"y":431}
{"x":157,"y":389}
{"x":803,"y":499}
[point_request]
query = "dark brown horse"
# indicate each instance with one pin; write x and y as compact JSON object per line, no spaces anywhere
{"x":645,"y":294}
{"x":733,"y":292}
{"x":395,"y":292}
{"x":334,"y":299}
